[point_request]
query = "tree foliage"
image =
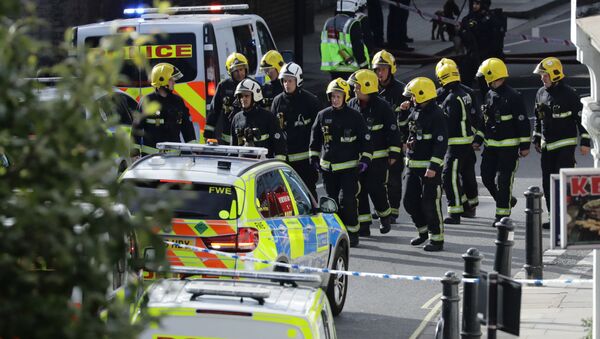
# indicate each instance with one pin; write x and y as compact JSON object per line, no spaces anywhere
{"x":57,"y":233}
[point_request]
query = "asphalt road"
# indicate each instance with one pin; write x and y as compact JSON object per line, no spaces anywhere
{"x":378,"y":308}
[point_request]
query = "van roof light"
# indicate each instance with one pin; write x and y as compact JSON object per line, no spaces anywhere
{"x":261,"y":275}
{"x":255,"y":152}
{"x":185,"y":9}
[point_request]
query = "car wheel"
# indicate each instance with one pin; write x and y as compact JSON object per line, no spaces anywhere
{"x":337,"y":289}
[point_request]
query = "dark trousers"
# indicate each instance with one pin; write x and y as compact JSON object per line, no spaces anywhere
{"x":342,"y":186}
{"x":373,"y":184}
{"x":498,"y":168}
{"x":376,"y":21}
{"x":552,"y":162}
{"x":397,"y":25}
{"x":309,"y":175}
{"x":423,"y":201}
{"x":395,"y":186}
{"x":458,"y":178}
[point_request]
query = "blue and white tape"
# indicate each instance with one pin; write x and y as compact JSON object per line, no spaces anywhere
{"x":535,"y":282}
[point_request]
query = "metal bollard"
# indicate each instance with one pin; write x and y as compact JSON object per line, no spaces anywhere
{"x":471,"y":328}
{"x":450,"y":299}
{"x":533,"y":236}
{"x":504,"y":243}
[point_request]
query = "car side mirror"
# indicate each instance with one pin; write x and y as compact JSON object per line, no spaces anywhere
{"x":327,"y":205}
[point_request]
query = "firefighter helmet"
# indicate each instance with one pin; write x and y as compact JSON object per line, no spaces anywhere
{"x":384,"y":58}
{"x":422,"y":88}
{"x":492,"y":69}
{"x":551,"y":66}
{"x":250,"y":86}
{"x":162,"y":73}
{"x":367,"y":79}
{"x":339,"y":85}
{"x":235,"y":60}
{"x":272,"y":59}
{"x":447,"y":71}
{"x":294,"y":70}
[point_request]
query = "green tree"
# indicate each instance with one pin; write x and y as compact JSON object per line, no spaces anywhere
{"x":57,"y":233}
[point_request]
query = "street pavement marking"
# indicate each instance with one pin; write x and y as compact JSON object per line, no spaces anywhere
{"x":434,"y":312}
{"x":431,"y":301}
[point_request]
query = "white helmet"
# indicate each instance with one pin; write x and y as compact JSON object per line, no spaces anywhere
{"x":294,"y":70}
{"x":250,"y":86}
{"x":350,"y":6}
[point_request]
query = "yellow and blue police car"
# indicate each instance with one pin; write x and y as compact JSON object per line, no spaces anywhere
{"x":232,"y":199}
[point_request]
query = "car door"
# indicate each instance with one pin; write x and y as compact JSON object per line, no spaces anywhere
{"x":314,"y":228}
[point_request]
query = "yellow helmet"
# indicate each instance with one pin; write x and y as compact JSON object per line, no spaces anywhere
{"x":235,"y":60}
{"x":422,"y":88}
{"x":447,"y":72}
{"x":492,"y":69}
{"x":339,"y":85}
{"x":272,"y":59}
{"x":384,"y":58}
{"x":162,"y":73}
{"x":367,"y":80}
{"x":551,"y":66}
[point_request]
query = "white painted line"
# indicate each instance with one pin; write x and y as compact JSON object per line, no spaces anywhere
{"x":432,"y":314}
{"x":554,"y":23}
{"x":428,"y":303}
{"x":516,"y":43}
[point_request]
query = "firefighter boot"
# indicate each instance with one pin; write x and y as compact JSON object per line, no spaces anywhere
{"x":386,"y":224}
{"x":469,"y":211}
{"x":546,"y":225}
{"x":434,"y":246}
{"x":353,"y":239}
{"x":365,"y":229}
{"x":420,"y":239}
{"x":513,"y":202}
{"x":453,"y":219}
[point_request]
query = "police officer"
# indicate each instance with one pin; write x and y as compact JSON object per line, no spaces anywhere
{"x":557,"y":122}
{"x":426,"y":146}
{"x":340,"y":139}
{"x":387,"y":149}
{"x":296,"y":109}
{"x":343,"y":50}
{"x":506,"y":135}
{"x":170,"y":119}
{"x":271,"y":64}
{"x":224,"y":103}
{"x":391,"y":91}
{"x":253,"y":125}
{"x":458,"y":176}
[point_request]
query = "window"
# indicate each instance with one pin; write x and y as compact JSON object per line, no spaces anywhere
{"x":299,"y":191}
{"x":266,"y":42}
{"x":273,"y":199}
{"x":245,"y":44}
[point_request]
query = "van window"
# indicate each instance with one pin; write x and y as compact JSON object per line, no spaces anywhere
{"x":245,"y":44}
{"x":266,"y":41}
{"x":273,"y":199}
{"x":300,"y":192}
{"x":178,"y":49}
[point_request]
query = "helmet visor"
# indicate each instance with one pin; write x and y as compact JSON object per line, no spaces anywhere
{"x":177,"y":75}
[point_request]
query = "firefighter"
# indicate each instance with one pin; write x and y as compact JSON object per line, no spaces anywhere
{"x":343,"y":50}
{"x":224,"y":104}
{"x":253,"y":125}
{"x":296,"y":109}
{"x":426,"y":146}
{"x":391,"y":91}
{"x":506,"y":135}
{"x":557,"y":122}
{"x":458,"y":176}
{"x":387,"y":149}
{"x":340,"y":148}
{"x":171,"y":117}
{"x":271,"y":64}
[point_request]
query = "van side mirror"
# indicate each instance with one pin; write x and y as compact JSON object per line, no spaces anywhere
{"x":327,"y":205}
{"x":288,"y":56}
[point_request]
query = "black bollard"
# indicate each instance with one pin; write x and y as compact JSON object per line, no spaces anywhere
{"x":471,"y":328}
{"x":533,"y":236}
{"x":504,"y":243}
{"x":450,"y":299}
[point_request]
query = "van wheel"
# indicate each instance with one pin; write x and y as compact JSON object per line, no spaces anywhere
{"x":337,"y":289}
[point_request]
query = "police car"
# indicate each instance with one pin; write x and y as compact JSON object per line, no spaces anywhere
{"x":232,"y":199}
{"x":196,"y":40}
{"x":256,"y":308}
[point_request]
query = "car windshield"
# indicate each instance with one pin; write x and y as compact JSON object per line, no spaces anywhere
{"x":192,"y":200}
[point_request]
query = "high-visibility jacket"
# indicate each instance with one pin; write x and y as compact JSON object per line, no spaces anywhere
{"x":392,"y":94}
{"x":428,"y":138}
{"x":505,"y":119}
{"x":474,"y":116}
{"x":342,"y":46}
{"x":457,"y":108}
{"x":558,"y":118}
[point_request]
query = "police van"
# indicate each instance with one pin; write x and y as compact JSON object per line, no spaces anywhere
{"x":195,"y":39}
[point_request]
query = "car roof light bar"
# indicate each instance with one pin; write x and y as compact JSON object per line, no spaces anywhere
{"x":185,"y":9}
{"x":229,"y":291}
{"x":256,"y":152}
{"x":279,"y":276}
